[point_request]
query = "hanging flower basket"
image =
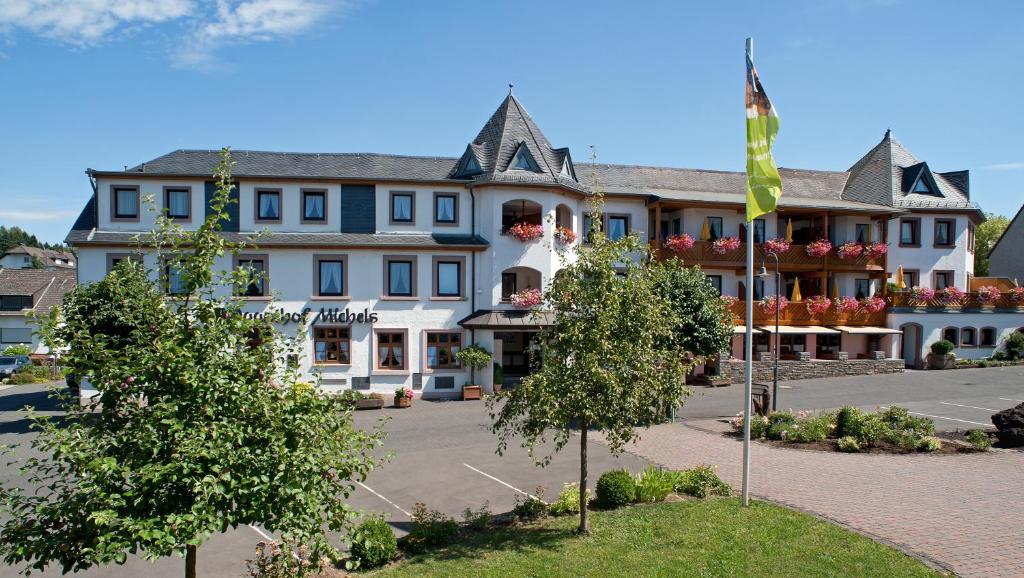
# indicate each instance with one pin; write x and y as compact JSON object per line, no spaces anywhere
{"x":725,"y":245}
{"x":989,"y":294}
{"x":872,"y":304}
{"x":1016,"y":295}
{"x":850,"y":251}
{"x":952,"y":295}
{"x":876,"y":250}
{"x":847,"y":305}
{"x":769,"y":305}
{"x":526,"y":232}
{"x":819,"y":304}
{"x":921,"y":295}
{"x":679,"y":243}
{"x":819,"y":248}
{"x":564,"y":235}
{"x":776,"y":246}
{"x":526,"y":299}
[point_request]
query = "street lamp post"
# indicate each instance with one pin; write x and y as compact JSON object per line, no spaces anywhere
{"x":775,"y":357}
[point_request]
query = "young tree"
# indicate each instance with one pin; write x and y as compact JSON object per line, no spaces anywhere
{"x":608,"y":360}
{"x":985,"y":237}
{"x":705,"y":322}
{"x":200,"y":424}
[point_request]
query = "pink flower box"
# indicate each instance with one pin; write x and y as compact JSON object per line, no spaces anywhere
{"x":1016,"y":294}
{"x":921,"y":295}
{"x":989,"y":294}
{"x":872,"y":304}
{"x":775,"y":246}
{"x":876,"y":250}
{"x":564,"y":235}
{"x":952,"y":295}
{"x":768,"y":305}
{"x":526,"y":299}
{"x":526,"y":232}
{"x":725,"y":245}
{"x":850,"y":250}
{"x":819,"y":248}
{"x":679,"y":243}
{"x":818,"y":305}
{"x":848,"y":305}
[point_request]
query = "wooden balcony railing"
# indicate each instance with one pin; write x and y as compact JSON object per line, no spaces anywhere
{"x":796,"y":314}
{"x":796,"y":258}
{"x":970,"y":301}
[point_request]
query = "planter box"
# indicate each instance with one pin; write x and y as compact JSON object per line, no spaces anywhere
{"x":497,"y":388}
{"x":403,"y":402}
{"x":369,"y":403}
{"x":471,"y":392}
{"x":947,"y":361}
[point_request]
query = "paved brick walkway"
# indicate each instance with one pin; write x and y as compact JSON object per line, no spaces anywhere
{"x":963,"y":511}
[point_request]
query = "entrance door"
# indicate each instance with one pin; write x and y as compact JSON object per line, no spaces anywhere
{"x":515,"y":355}
{"x":911,"y":346}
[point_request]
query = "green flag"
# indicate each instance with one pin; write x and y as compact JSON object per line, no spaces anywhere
{"x":764,"y":185}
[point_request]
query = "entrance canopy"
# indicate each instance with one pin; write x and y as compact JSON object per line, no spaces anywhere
{"x":868,"y":330}
{"x":507,"y":320}
{"x":741,"y":329}
{"x":799,"y":330}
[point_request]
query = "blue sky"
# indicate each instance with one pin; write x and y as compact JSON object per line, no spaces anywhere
{"x":654,"y":83}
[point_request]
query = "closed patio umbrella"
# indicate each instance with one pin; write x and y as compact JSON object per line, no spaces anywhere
{"x":796,"y":290}
{"x":789,"y":230}
{"x":705,"y":231}
{"x":900,"y":283}
{"x":835,"y":291}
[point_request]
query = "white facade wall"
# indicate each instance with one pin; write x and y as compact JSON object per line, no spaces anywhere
{"x":928,"y":258}
{"x":932,"y":324}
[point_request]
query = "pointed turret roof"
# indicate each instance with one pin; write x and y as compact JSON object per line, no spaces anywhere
{"x":509,"y":131}
{"x":887,"y":173}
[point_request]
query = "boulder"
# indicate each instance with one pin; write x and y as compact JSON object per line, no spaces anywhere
{"x":1010,"y":426}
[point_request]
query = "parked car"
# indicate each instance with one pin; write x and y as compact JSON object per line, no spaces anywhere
{"x":23,"y":360}
{"x":8,"y":365}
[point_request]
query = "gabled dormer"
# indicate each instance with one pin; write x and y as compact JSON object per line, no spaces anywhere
{"x":522,"y":160}
{"x":469,"y":165}
{"x":919,"y":180}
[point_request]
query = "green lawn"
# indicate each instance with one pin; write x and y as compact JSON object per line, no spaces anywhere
{"x":694,"y":538}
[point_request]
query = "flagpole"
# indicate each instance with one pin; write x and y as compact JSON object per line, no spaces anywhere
{"x":748,"y":345}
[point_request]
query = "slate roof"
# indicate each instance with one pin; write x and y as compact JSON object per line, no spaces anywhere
{"x":45,"y":256}
{"x":507,"y":319}
{"x":283,"y":239}
{"x":47,"y":286}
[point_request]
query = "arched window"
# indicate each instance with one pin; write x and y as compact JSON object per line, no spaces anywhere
{"x":952,"y":335}
{"x":988,"y":337}
{"x":563,"y":217}
{"x":519,"y":211}
{"x":516,"y":279}
{"x":968,"y":337}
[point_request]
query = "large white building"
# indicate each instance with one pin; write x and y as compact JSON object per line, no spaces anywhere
{"x":400,"y":260}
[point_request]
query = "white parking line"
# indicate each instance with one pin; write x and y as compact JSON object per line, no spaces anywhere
{"x":941,"y":417}
{"x":970,"y":406}
{"x":1008,"y":399}
{"x":393,"y":505}
{"x":501,"y":482}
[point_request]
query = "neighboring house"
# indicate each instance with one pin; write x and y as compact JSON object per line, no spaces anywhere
{"x":27,"y":290}
{"x":399,"y":261}
{"x":1007,"y":256}
{"x":25,"y":257}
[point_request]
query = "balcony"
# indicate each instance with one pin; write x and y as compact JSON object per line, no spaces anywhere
{"x":796,"y":314}
{"x":971,"y":301}
{"x":796,"y":259}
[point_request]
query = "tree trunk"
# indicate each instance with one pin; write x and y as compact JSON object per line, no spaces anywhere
{"x":584,"y":529}
{"x":190,"y":562}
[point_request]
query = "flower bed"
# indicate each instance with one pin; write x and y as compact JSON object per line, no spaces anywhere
{"x":564,"y":235}
{"x":819,"y":248}
{"x":769,"y":305}
{"x":725,"y":245}
{"x":776,"y":246}
{"x":850,"y":251}
{"x":679,"y":243}
{"x":818,"y":305}
{"x":526,"y":299}
{"x":989,"y":294}
{"x":876,"y":250}
{"x":526,"y":232}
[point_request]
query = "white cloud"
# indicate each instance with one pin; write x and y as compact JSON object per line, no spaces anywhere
{"x":33,"y":215}
{"x":87,"y":22}
{"x":246,"y":21}
{"x":1005,"y":166}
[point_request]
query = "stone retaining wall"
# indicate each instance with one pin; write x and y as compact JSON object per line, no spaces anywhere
{"x":810,"y":369}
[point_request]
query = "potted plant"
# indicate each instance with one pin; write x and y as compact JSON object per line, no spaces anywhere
{"x":921,"y":295}
{"x":818,"y":248}
{"x":850,"y":251}
{"x":564,"y":235}
{"x":474,"y":357}
{"x":818,"y":305}
{"x":876,"y":250}
{"x":403,"y":397}
{"x":526,"y":232}
{"x":373,"y":401}
{"x":989,"y":294}
{"x":526,"y":299}
{"x":725,"y":245}
{"x":769,"y":304}
{"x":942,"y":356}
{"x":498,"y":377}
{"x":776,"y":246}
{"x":679,"y":243}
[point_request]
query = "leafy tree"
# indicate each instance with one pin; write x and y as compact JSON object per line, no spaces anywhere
{"x":608,"y":358}
{"x":200,"y":424}
{"x":985,"y":237}
{"x":705,"y":326}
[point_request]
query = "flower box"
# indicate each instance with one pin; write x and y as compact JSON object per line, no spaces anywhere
{"x":847,"y":305}
{"x":725,"y":245}
{"x":369,"y":403}
{"x":876,"y":250}
{"x":819,"y":248}
{"x":1016,"y":295}
{"x":921,"y":295}
{"x":818,"y":305}
{"x":564,"y":235}
{"x":850,"y":251}
{"x":679,"y":243}
{"x":403,"y":397}
{"x":951,"y":295}
{"x":872,"y":304}
{"x":989,"y":294}
{"x":769,"y":304}
{"x":526,"y":299}
{"x":775,"y":246}
{"x":526,"y":232}
{"x":471,"y":392}
{"x":403,"y":402}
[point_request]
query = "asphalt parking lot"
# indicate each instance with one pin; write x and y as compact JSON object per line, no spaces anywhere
{"x":443,"y":453}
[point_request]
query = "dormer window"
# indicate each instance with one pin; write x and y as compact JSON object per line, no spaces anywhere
{"x":523,"y":160}
{"x":922,"y":187}
{"x":472,"y":166}
{"x":566,"y":170}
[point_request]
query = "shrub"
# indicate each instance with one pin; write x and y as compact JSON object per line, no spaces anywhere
{"x":898,"y":418}
{"x":430,"y":528}
{"x":19,"y":349}
{"x":872,"y":430}
{"x":942,"y":347}
{"x":272,"y":561}
{"x":701,"y":482}
{"x":615,"y":489}
{"x":907,"y":440}
{"x":809,"y":430}
{"x":532,"y":507}
{"x":22,"y":378}
{"x":929,"y":444}
{"x":848,"y":444}
{"x":568,"y":501}
{"x":848,"y":422}
{"x":654,"y":485}
{"x":1014,"y":345}
{"x":758,"y":426}
{"x":478,"y":519}
{"x":779,"y":430}
{"x":374,"y":543}
{"x":979,"y":440}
